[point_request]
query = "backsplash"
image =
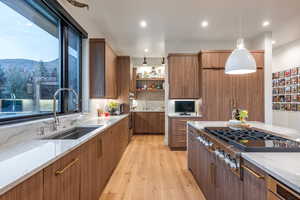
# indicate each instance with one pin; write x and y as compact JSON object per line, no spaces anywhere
{"x":15,"y":133}
{"x":141,"y":105}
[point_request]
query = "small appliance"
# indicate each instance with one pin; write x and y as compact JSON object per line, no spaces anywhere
{"x":185,"y":107}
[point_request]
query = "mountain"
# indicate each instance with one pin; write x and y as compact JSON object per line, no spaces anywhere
{"x":27,"y":65}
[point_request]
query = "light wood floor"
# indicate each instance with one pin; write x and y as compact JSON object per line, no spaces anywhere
{"x":150,"y":171}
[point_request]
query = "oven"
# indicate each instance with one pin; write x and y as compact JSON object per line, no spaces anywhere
{"x":278,"y":191}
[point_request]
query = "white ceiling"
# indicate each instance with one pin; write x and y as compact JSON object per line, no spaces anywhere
{"x":173,"y":22}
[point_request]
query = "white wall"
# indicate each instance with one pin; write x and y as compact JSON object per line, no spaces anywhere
{"x":286,"y":57}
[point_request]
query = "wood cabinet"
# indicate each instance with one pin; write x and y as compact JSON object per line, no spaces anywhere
{"x":62,"y":178}
{"x":178,"y":131}
{"x":216,"y":59}
{"x":184,"y":76}
{"x":30,"y":189}
{"x":254,"y":182}
{"x":124,"y":81}
{"x":222,"y":93}
{"x":149,"y":122}
{"x":103,"y":70}
{"x":88,"y":159}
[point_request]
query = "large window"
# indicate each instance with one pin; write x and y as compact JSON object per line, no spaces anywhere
{"x":36,"y":58}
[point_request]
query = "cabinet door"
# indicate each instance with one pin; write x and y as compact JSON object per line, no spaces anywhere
{"x":30,"y":189}
{"x":249,"y":94}
{"x":254,"y":183}
{"x":100,"y":182}
{"x":62,"y":178}
{"x":108,"y":150}
{"x":209,"y":60}
{"x":211,"y":94}
{"x":226,"y":178}
{"x":97,"y":68}
{"x":110,"y":73}
{"x":140,"y":122}
{"x":161,"y":122}
{"x":184,"y":75}
{"x":88,"y":170}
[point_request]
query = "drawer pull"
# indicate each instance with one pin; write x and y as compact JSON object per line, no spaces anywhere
{"x":60,"y":172}
{"x":257,"y":175}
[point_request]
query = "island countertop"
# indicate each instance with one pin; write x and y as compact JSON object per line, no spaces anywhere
{"x":20,"y":161}
{"x":283,"y":166}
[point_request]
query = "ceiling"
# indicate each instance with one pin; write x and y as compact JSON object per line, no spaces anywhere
{"x":174,"y":22}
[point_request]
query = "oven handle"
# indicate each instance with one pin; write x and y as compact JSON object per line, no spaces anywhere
{"x":257,"y":175}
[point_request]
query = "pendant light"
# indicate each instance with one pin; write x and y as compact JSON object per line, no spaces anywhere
{"x":241,"y":60}
{"x":163,"y":62}
{"x":145,"y":61}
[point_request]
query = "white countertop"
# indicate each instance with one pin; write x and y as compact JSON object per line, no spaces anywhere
{"x":147,"y":111}
{"x":283,"y":166}
{"x":182,"y":116}
{"x":20,"y":161}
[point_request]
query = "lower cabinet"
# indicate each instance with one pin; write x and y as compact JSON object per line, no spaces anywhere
{"x":62,"y":178}
{"x":31,"y":189}
{"x":254,"y":182}
{"x":177,"y":131}
{"x":149,"y":122}
{"x":215,"y":178}
{"x":81,"y":174}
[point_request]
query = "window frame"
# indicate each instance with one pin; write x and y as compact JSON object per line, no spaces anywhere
{"x":66,"y":22}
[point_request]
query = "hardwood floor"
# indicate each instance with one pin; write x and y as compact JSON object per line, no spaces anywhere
{"x":150,"y":171}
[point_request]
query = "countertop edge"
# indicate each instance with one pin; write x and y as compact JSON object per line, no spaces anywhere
{"x":272,"y":173}
{"x":31,"y":173}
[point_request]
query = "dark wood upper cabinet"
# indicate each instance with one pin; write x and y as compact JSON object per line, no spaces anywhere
{"x":184,"y":76}
{"x":103,"y":70}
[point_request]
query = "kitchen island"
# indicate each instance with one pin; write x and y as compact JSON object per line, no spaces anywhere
{"x":224,"y":172}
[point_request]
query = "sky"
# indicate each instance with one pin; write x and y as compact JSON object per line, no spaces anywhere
{"x":20,"y":38}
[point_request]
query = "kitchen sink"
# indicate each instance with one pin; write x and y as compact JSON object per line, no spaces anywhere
{"x":73,"y":134}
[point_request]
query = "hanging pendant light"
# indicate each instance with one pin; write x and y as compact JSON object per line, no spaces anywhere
{"x":145,"y":61}
{"x":240,"y":61}
{"x":163,"y":62}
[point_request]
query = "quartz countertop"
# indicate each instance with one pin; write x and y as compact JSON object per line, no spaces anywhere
{"x":283,"y":166}
{"x":184,"y":116}
{"x":20,"y":161}
{"x":147,"y":111}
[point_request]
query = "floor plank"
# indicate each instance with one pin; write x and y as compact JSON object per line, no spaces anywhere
{"x":150,"y":171}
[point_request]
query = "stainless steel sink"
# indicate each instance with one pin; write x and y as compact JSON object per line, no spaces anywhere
{"x":73,"y":134}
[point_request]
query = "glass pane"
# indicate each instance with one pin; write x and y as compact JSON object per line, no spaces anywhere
{"x":30,"y":62}
{"x":73,"y":67}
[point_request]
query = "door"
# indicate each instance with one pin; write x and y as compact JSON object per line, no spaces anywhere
{"x":100,"y":182}
{"x":62,"y":178}
{"x":110,"y":73}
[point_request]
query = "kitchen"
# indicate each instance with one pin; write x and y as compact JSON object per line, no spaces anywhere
{"x":129,"y":100}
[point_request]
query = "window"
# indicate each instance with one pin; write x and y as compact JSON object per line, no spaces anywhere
{"x":34,"y":61}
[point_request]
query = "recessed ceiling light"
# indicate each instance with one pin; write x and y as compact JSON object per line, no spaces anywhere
{"x":143,"y":24}
{"x":266,"y":23}
{"x":204,"y":24}
{"x":146,"y":50}
{"x":273,"y":42}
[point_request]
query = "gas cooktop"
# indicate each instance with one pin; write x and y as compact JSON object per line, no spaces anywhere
{"x":250,"y":140}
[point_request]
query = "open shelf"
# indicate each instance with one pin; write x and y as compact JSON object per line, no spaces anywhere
{"x":150,"y":79}
{"x":151,"y":90}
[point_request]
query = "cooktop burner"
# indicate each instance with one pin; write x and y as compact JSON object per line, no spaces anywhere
{"x":250,"y":140}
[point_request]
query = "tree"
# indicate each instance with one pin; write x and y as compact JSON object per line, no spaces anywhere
{"x":41,"y":70}
{"x":2,"y":80}
{"x":16,"y":83}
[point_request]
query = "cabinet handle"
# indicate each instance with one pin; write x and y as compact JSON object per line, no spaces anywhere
{"x":257,"y":175}
{"x":100,"y":149}
{"x":60,"y":172}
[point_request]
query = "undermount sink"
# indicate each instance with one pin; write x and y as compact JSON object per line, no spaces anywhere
{"x":73,"y":134}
